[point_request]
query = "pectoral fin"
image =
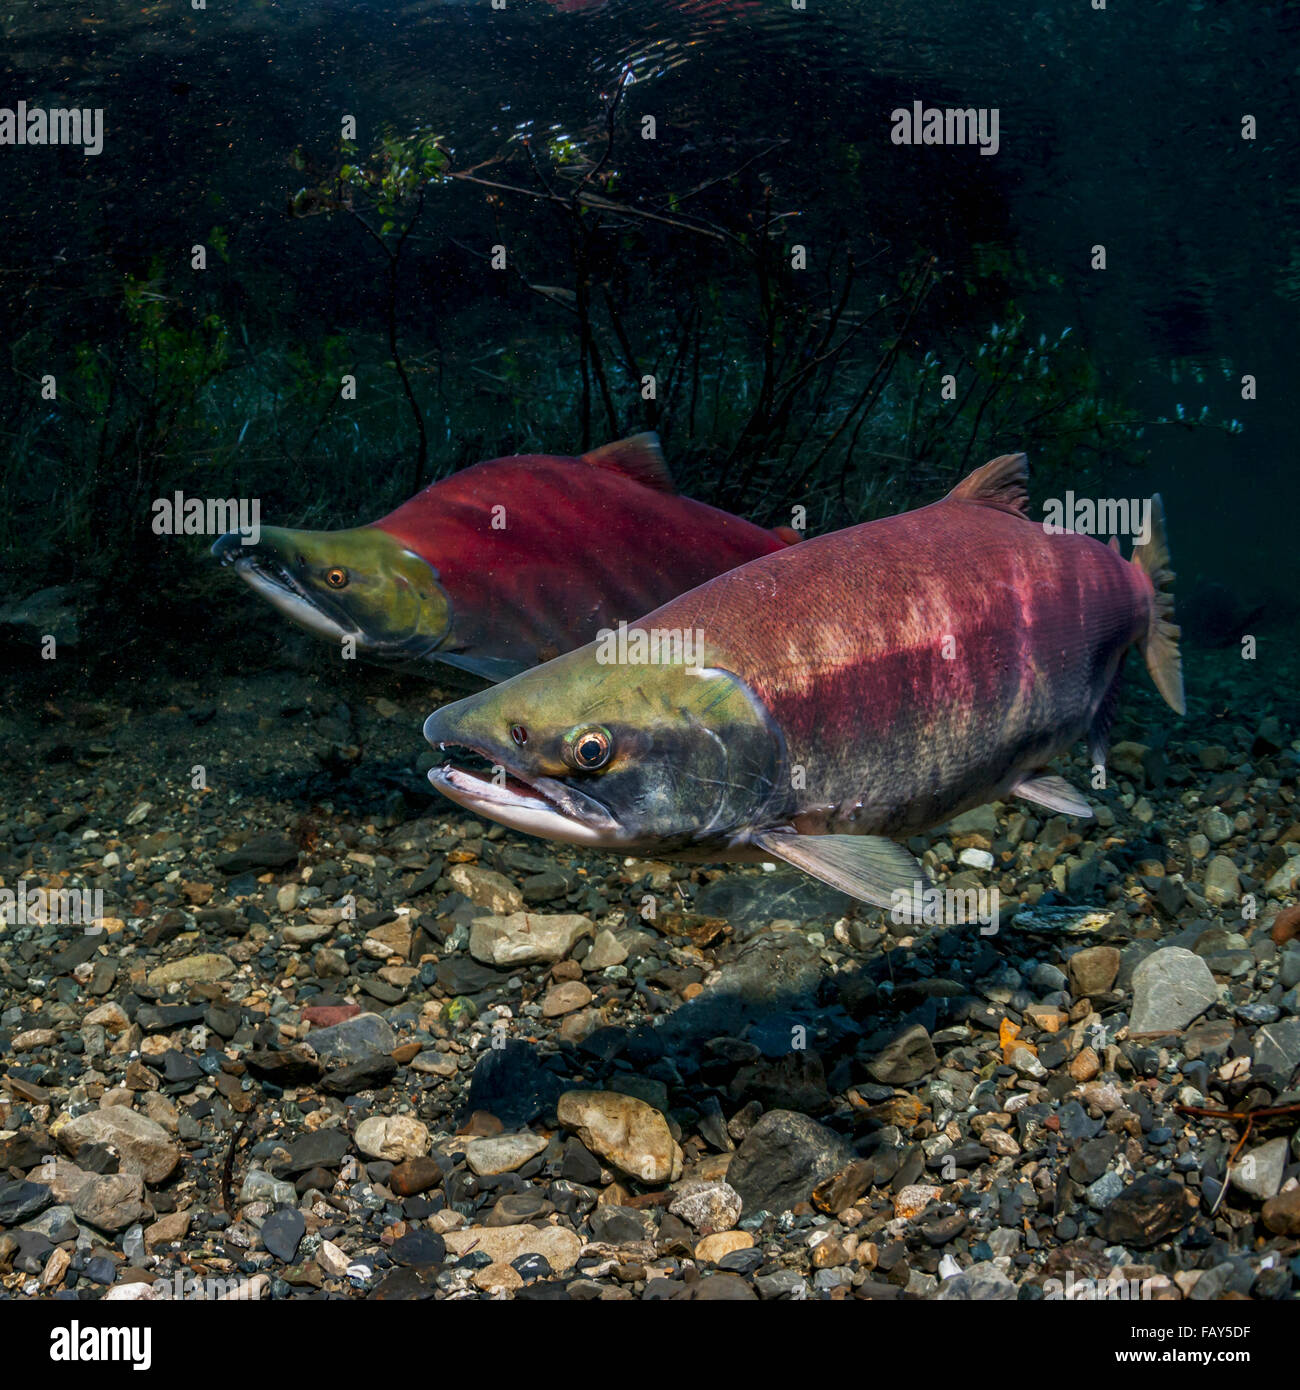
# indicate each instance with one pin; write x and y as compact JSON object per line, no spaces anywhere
{"x":865,"y":866}
{"x":1055,"y":793}
{"x":490,"y":668}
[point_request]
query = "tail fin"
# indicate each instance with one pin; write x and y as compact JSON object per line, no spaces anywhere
{"x":1160,"y":645}
{"x":787,"y":534}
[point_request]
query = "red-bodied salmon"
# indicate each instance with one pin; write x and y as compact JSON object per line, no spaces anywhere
{"x":504,"y":564}
{"x":818,"y":704}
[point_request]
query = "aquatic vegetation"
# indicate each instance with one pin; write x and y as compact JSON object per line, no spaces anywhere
{"x":796,"y":371}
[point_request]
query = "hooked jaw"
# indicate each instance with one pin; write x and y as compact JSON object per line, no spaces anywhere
{"x":479,"y":778}
{"x":266,"y":574}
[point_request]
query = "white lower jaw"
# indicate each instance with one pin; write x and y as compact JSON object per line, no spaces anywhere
{"x":530,"y":814}
{"x":291,"y":605}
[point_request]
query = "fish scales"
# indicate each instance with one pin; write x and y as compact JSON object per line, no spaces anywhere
{"x":525,"y":563}
{"x":844,"y":647}
{"x":839,"y":696}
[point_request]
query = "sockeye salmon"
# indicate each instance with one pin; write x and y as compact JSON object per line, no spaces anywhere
{"x":857,"y":688}
{"x":504,"y":564}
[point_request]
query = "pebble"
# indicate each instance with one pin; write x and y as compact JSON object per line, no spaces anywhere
{"x":1258,"y":1171}
{"x":982,"y":1282}
{"x":708,"y":1207}
{"x":504,"y":1153}
{"x":189,"y":969}
{"x":1222,"y":884}
{"x":259,"y":1186}
{"x":1281,"y":1214}
{"x":111,"y":1201}
{"x":710,"y":1249}
{"x":167,"y":1230}
{"x":526,"y":938}
{"x":19,"y":1200}
{"x":905,"y":1059}
{"x":1285,"y":883}
{"x":486,"y":888}
{"x":1171,"y":987}
{"x":1093,"y":970}
{"x":1148,"y":1211}
{"x":144,"y":1145}
{"x":624,"y":1131}
{"x":912,"y":1200}
{"x":392,"y":1137}
{"x":565,"y":998}
{"x":504,"y":1244}
{"x":1215,"y":826}
{"x":282,"y":1233}
{"x":606,"y":950}
{"x":354,"y":1039}
{"x":1277,"y":1049}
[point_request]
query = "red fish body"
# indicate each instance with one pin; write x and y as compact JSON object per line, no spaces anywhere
{"x":505,"y":564}
{"x":980,"y":647}
{"x":539,"y":552}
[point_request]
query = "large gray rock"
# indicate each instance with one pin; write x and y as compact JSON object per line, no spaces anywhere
{"x":783,"y":1158}
{"x":1222,"y":885}
{"x":1286,"y":882}
{"x":1171,"y":987}
{"x":979,"y":1283}
{"x":1259,"y":1171}
{"x":905,"y":1058}
{"x":1277,"y":1049}
{"x":142,"y":1146}
{"x":354,"y":1039}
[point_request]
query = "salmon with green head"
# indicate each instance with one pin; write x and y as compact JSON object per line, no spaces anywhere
{"x":596,"y":753}
{"x":361,"y":583}
{"x":856,"y":689}
{"x":504,"y":564}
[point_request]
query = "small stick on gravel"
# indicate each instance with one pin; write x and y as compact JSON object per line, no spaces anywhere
{"x":228,"y":1169}
{"x":1249,"y":1116}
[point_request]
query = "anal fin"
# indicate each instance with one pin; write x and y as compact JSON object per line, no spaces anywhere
{"x":868,"y":867}
{"x":1055,"y":793}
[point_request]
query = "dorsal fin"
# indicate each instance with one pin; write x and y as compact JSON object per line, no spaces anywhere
{"x":638,"y":456}
{"x":1002,"y":482}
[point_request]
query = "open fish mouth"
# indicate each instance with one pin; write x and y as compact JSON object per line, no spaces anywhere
{"x":276,"y":583}
{"x":535,"y":805}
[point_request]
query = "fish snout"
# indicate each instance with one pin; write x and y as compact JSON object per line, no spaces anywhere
{"x":433,"y":729}
{"x":230,"y":547}
{"x":439,"y":729}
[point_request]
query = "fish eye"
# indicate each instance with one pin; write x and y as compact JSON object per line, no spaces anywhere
{"x":336,"y":578}
{"x":519,"y":734}
{"x":588,"y":748}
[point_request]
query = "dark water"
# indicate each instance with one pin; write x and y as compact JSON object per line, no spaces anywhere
{"x":216,"y":777}
{"x":1119,"y":127}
